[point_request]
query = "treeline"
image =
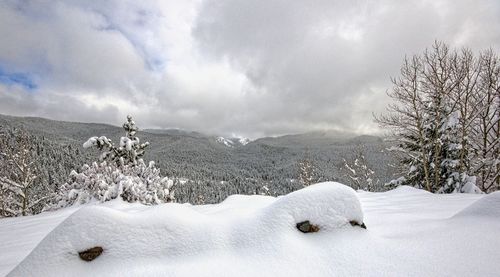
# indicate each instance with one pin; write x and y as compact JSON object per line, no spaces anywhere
{"x":274,"y":171}
{"x":201,"y":175}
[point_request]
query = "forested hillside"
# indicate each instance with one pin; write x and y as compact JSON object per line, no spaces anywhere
{"x":209,"y":171}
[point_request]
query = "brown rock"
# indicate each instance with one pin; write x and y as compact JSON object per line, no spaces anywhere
{"x":90,"y":254}
{"x":307,"y":227}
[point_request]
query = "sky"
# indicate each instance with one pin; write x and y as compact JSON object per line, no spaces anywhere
{"x":248,"y":68}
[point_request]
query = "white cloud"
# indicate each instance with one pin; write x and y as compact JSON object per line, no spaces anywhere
{"x":249,"y":67}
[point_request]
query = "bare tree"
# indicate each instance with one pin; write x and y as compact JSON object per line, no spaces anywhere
{"x":486,"y":127}
{"x":445,"y":120}
{"x":357,"y":173}
{"x":464,"y":98}
{"x":405,"y":120}
{"x":438,"y":84}
{"x":307,"y":171}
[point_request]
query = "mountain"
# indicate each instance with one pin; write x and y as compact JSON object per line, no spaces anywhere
{"x":310,"y":139}
{"x":216,"y":167}
{"x":174,"y":132}
{"x":233,"y":142}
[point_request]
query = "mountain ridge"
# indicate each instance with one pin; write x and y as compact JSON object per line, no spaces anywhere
{"x":216,"y":170}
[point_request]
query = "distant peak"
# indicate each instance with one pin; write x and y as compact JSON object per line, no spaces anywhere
{"x":233,"y":141}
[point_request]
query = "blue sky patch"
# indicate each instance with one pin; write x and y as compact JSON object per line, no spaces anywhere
{"x":21,"y":79}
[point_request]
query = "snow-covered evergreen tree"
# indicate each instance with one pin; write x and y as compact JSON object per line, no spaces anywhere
{"x":455,"y":178}
{"x":102,"y":182}
{"x":120,"y":173}
{"x":129,"y":150}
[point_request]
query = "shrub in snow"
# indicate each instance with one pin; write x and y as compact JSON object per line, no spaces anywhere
{"x":357,"y":173}
{"x":102,"y":182}
{"x":119,"y":174}
{"x":307,"y":171}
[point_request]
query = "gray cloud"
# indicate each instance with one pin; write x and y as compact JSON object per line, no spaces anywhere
{"x":247,"y":67}
{"x":327,"y":63}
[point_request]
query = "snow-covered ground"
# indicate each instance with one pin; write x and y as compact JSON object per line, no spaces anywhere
{"x":409,"y":233}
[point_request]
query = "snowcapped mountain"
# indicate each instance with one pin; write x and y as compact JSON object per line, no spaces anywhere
{"x":233,"y":142}
{"x":225,"y":141}
{"x":243,"y":141}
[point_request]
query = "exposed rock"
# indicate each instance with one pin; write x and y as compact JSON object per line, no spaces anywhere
{"x":307,"y":227}
{"x":90,"y":254}
{"x":355,"y":223}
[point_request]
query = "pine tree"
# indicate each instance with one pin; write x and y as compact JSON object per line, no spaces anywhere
{"x":103,"y":182}
{"x":128,"y":151}
{"x":120,"y":173}
{"x":455,"y":177}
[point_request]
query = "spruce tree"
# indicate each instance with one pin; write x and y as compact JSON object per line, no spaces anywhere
{"x":121,"y":172}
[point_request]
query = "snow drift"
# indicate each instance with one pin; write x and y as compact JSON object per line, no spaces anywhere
{"x":488,"y":206}
{"x":410,"y":233}
{"x":148,"y":241}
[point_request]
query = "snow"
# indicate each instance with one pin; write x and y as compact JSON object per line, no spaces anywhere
{"x":90,"y":142}
{"x":233,"y":141}
{"x":488,"y":206}
{"x":94,"y":141}
{"x":225,"y":141}
{"x":243,"y":141}
{"x":409,"y":232}
{"x":127,"y":143}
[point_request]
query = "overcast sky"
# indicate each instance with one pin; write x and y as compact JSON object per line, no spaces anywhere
{"x":244,"y":67}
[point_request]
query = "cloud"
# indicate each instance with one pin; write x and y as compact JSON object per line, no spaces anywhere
{"x":252,"y":68}
{"x":328,"y":63}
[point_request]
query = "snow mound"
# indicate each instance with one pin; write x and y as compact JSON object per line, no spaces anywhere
{"x":405,"y":190}
{"x":193,"y":241}
{"x":329,"y":205}
{"x":488,"y":206}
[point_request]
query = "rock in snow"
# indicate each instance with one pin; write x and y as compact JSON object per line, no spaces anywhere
{"x":91,"y":253}
{"x":307,"y":227}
